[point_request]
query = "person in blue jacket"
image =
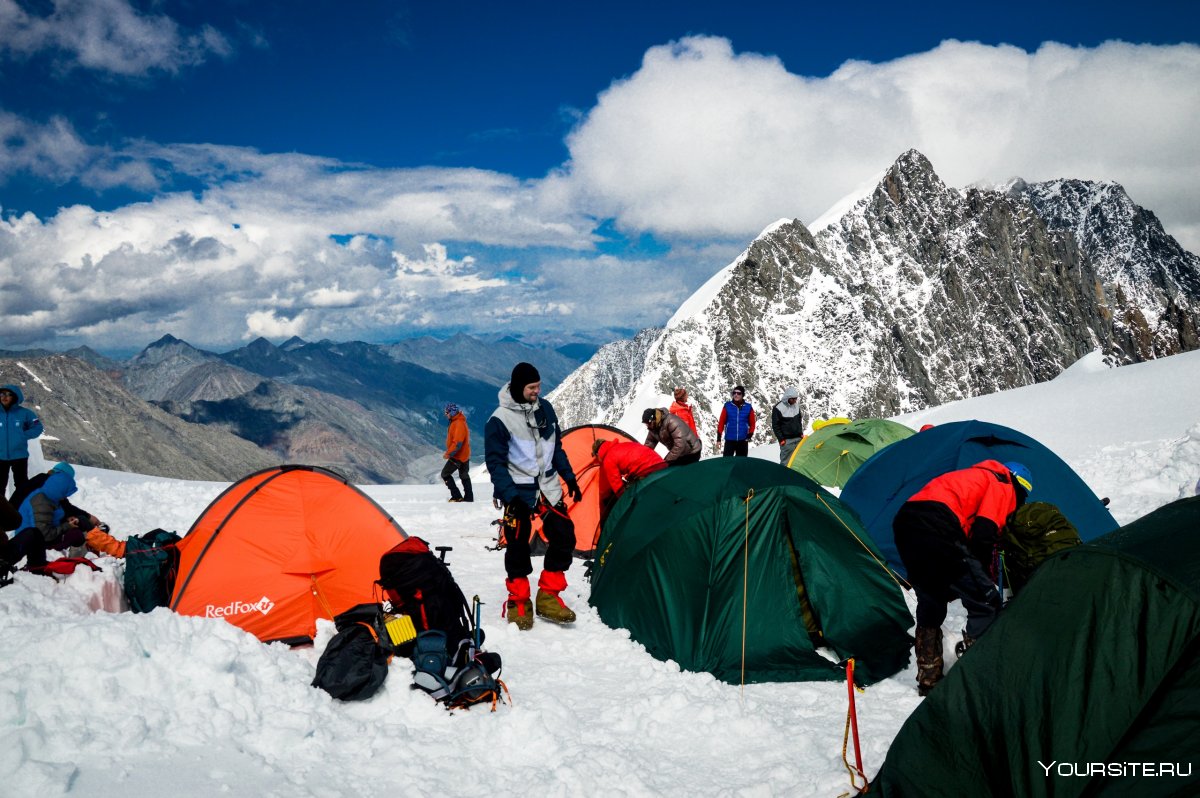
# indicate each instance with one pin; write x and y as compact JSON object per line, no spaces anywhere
{"x":736,"y":424}
{"x":46,"y":523}
{"x":21,"y":425}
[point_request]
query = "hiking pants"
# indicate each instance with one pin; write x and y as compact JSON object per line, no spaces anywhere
{"x":28,"y":543}
{"x":736,"y":449}
{"x":462,"y":467}
{"x":941,"y":568}
{"x":560,"y":541}
{"x":786,"y":448}
{"x":20,"y":474}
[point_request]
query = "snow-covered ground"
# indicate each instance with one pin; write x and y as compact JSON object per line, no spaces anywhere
{"x":101,"y":703}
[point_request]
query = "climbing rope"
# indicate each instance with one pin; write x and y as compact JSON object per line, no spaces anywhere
{"x":902,"y":583}
{"x":855,"y":770}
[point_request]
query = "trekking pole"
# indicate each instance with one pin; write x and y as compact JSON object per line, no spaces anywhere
{"x":477,"y":606}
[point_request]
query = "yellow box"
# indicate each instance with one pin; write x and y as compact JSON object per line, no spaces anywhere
{"x":400,"y":629}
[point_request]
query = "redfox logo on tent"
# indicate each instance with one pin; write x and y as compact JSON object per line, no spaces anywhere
{"x":263,"y":605}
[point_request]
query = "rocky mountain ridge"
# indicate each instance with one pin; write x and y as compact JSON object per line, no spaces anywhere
{"x":91,"y":419}
{"x":918,"y":295}
{"x":352,"y":407}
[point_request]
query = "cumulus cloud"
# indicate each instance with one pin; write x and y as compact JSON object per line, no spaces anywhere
{"x":702,"y":140}
{"x":106,"y":36}
{"x":702,"y":146}
{"x":246,"y":259}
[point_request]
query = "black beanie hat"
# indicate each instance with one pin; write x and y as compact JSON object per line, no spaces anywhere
{"x":522,"y":374}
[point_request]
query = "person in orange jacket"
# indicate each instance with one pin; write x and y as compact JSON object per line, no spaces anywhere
{"x":682,"y":408}
{"x":622,"y":462}
{"x":946,"y":535}
{"x":457,"y":454}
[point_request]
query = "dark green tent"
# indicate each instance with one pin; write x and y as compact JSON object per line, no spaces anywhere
{"x":1095,"y":666}
{"x":683,"y":547}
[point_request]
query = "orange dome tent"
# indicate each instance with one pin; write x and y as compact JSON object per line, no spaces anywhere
{"x":585,"y":514}
{"x":281,"y":548}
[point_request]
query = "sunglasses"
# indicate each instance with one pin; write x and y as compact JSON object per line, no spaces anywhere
{"x":738,"y":393}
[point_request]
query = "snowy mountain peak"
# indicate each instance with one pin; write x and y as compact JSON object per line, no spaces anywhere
{"x":918,"y":294}
{"x":911,"y":178}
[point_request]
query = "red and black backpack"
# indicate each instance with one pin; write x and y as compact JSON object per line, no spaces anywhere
{"x":418,"y":584}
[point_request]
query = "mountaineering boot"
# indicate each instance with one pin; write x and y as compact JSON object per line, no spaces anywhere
{"x":518,"y":608}
{"x":961,"y":646}
{"x":549,"y":605}
{"x":929,"y":658}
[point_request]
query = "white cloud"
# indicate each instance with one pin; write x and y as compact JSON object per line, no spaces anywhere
{"x":50,"y":150}
{"x":705,"y":141}
{"x":107,"y":36}
{"x":701,"y":145}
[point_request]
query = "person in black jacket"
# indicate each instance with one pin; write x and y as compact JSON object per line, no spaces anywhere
{"x":787,"y":423}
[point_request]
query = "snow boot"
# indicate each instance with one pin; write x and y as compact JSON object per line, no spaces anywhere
{"x":549,"y":605}
{"x":929,"y":658}
{"x":961,"y":646}
{"x":518,"y":608}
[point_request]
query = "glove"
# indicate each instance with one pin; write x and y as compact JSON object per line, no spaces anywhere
{"x":517,"y":508}
{"x":72,"y":537}
{"x":573,"y":490}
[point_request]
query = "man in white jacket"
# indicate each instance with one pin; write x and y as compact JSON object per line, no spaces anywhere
{"x":525,"y":459}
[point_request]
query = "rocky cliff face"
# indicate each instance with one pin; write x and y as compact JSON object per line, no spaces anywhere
{"x":1150,"y":283}
{"x":920,"y":294}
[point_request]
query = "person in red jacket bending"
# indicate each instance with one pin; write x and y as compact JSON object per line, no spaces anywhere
{"x":622,"y":462}
{"x":946,"y":535}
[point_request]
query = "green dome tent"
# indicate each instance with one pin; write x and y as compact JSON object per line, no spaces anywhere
{"x":833,"y":451}
{"x":1093,"y":670}
{"x":681,"y":549}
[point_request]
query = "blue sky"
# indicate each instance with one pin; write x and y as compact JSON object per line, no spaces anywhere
{"x":222,"y":170}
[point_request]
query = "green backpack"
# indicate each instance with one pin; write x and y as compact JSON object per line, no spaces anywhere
{"x":1037,"y":531}
{"x":151,"y":562}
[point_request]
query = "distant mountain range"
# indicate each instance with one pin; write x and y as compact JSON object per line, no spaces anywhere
{"x":919,"y":294}
{"x":371,"y":412}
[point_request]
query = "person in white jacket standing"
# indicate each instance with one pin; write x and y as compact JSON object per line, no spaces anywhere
{"x":525,"y":458}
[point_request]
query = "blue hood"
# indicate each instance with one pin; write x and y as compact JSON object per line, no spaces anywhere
{"x":16,"y":389}
{"x":57,"y":487}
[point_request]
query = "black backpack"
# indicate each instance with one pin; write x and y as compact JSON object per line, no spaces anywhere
{"x":419,"y":585}
{"x":355,"y":663}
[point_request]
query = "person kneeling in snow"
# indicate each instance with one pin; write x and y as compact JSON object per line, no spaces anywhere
{"x":49,"y":521}
{"x":45,"y":523}
{"x":946,"y":535}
